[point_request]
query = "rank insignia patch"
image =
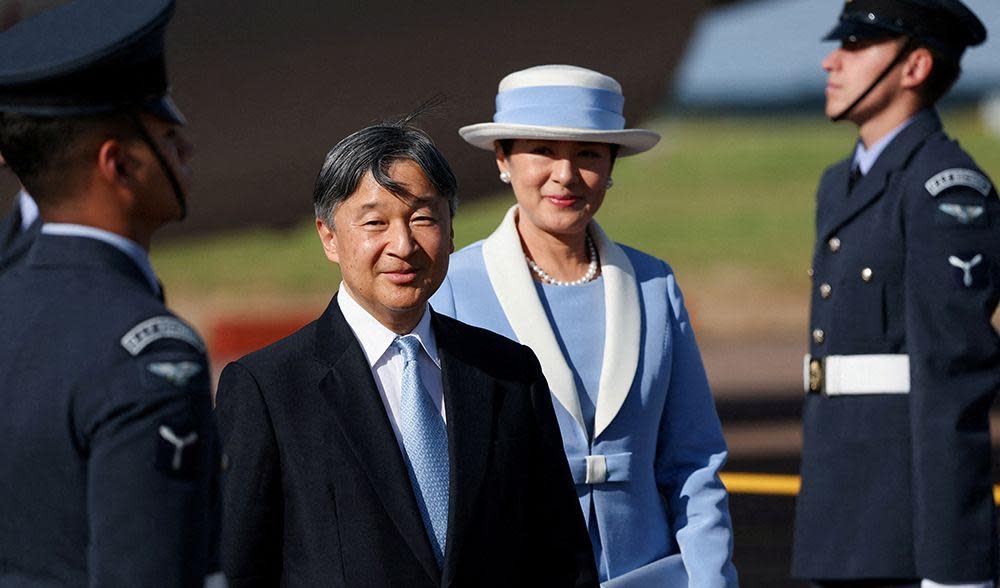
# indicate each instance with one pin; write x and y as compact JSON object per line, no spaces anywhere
{"x":176,"y":451}
{"x":950,"y":178}
{"x":970,"y":270}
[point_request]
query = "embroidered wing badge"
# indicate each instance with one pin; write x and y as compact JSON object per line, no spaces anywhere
{"x":963,"y":213}
{"x":177,"y":373}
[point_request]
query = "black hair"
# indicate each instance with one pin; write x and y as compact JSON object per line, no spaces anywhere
{"x":42,"y":150}
{"x":506,"y":145}
{"x":373,"y":150}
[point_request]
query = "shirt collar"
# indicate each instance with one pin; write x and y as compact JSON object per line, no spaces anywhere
{"x":374,"y":337}
{"x":29,"y":210}
{"x":127,"y":246}
{"x":864,"y":159}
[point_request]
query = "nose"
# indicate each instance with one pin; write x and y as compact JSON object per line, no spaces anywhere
{"x":831,"y":60}
{"x":400,"y":241}
{"x":185,"y":148}
{"x":564,"y":171}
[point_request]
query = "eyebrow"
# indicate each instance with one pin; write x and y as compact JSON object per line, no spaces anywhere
{"x":416,"y":201}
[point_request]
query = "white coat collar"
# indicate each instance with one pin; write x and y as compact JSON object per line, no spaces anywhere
{"x":512,"y":283}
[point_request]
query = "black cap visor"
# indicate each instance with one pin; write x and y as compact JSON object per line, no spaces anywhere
{"x":852,"y":30}
{"x":165,"y":109}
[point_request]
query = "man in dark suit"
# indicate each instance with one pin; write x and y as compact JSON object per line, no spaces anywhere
{"x":109,"y":464}
{"x":383,"y":444}
{"x":904,"y":363}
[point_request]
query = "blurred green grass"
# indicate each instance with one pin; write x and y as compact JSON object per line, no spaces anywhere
{"x":718,"y":192}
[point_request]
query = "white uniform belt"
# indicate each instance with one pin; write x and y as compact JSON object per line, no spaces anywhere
{"x":840,"y":375}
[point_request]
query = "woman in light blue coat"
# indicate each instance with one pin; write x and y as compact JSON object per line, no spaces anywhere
{"x":609,"y":327}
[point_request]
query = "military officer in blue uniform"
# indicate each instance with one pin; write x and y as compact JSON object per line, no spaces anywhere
{"x":109,"y":462}
{"x":903,"y":361}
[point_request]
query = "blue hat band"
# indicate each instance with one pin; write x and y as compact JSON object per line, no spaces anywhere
{"x":561,"y":106}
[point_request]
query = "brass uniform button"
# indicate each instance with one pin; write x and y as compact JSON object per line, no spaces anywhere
{"x":818,"y":336}
{"x":810,"y":272}
{"x":825,"y":290}
{"x":866,"y":274}
{"x":834,"y":244}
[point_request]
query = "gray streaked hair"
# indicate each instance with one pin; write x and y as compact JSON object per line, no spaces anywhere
{"x":374,"y":149}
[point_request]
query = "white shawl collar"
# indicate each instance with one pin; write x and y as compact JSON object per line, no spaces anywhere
{"x":512,"y":283}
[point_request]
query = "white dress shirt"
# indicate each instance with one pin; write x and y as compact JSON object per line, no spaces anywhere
{"x":29,"y":210}
{"x":387,"y":363}
{"x":133,"y":250}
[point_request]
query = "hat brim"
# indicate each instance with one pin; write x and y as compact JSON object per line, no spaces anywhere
{"x":630,"y":141}
{"x":846,"y":29}
{"x":164,"y":108}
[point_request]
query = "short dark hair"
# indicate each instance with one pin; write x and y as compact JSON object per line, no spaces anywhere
{"x":944,"y":73}
{"x":373,"y":150}
{"x":41,"y":150}
{"x":507,"y":144}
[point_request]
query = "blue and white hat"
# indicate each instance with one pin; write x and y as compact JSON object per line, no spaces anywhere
{"x":562,"y":103}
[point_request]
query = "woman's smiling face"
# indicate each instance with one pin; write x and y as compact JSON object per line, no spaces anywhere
{"x":559,"y":185}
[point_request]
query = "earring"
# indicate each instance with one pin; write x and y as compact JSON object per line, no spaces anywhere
{"x":505,"y":177}
{"x":610,"y":183}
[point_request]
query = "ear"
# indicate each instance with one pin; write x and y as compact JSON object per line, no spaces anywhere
{"x":116,"y":165}
{"x":501,"y":158}
{"x":917,"y":68}
{"x":328,"y":236}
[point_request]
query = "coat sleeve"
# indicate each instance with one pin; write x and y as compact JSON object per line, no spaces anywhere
{"x":152,"y":472}
{"x":952,"y":286}
{"x":559,"y":518}
{"x":252,"y":497}
{"x":690,"y":453}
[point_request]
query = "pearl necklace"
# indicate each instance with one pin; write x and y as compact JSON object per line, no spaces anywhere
{"x":587,"y":277}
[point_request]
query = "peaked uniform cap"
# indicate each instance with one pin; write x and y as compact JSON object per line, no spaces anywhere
{"x":561,"y":103}
{"x":88,"y":57}
{"x":945,"y":25}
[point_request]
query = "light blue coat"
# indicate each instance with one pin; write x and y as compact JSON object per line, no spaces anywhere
{"x":651,"y":469}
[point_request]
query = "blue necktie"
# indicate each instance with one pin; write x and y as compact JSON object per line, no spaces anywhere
{"x":426,"y":441}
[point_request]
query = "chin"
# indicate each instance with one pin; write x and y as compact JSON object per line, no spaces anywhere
{"x":404,"y":299}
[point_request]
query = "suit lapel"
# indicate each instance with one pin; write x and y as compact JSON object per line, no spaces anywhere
{"x":357,"y":407}
{"x":515,"y":290}
{"x":870,"y":187}
{"x":469,"y":401}
{"x":622,"y":329}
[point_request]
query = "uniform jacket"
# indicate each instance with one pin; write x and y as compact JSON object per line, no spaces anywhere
{"x":317,"y":493}
{"x":655,"y":423}
{"x":898,"y":485}
{"x":15,"y":241}
{"x":109,"y":460}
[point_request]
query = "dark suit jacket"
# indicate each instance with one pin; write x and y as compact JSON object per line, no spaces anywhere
{"x":317,"y":493}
